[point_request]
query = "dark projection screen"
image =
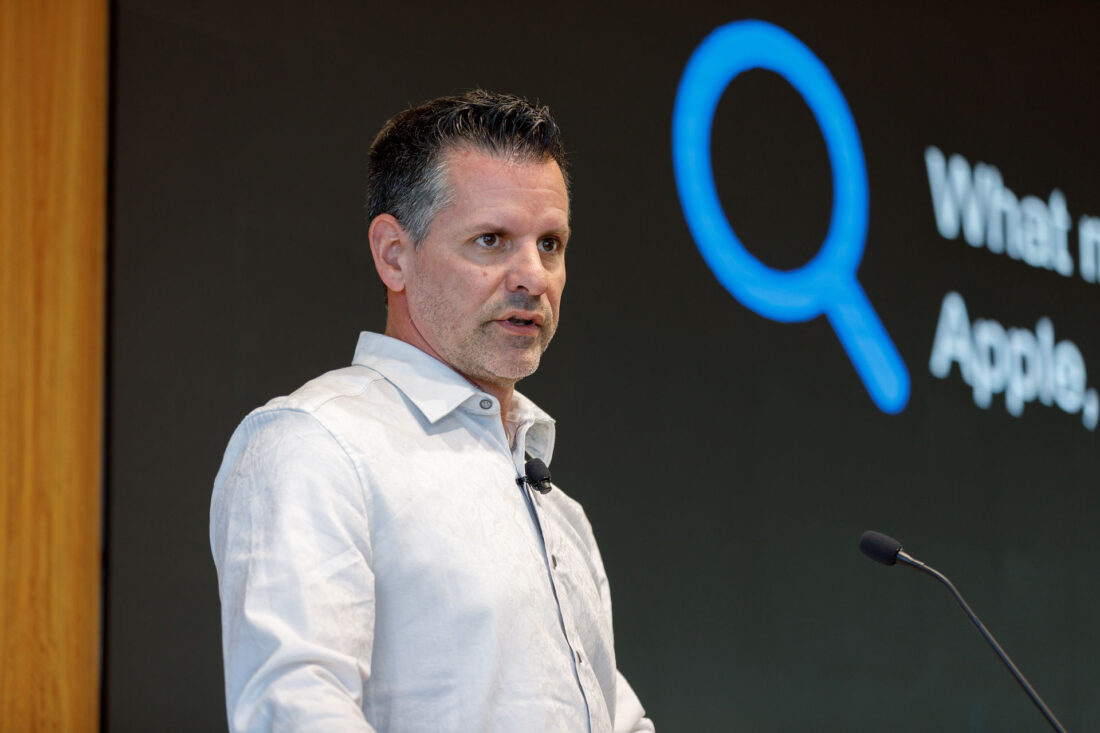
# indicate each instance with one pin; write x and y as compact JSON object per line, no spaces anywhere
{"x":729,"y":450}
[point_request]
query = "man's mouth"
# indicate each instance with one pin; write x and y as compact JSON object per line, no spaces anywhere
{"x":522,"y":318}
{"x":521,"y":323}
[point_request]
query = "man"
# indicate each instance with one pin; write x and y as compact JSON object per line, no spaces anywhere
{"x":382,"y":563}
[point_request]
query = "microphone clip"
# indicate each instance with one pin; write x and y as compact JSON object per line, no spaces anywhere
{"x":537,"y":476}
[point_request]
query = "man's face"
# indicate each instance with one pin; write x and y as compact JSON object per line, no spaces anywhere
{"x":485,"y":284}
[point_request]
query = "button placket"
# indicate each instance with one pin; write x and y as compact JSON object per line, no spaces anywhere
{"x":549,"y":539}
{"x":589,"y":686}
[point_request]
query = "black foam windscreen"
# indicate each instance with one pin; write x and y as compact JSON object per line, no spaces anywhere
{"x":879,"y":547}
{"x":538,"y":475}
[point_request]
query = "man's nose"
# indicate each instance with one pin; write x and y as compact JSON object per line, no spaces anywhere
{"x":528,"y":270}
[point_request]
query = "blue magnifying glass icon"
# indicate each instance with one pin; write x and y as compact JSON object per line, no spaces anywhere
{"x":826,"y":284}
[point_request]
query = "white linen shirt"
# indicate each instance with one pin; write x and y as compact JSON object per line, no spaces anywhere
{"x":380,"y":569}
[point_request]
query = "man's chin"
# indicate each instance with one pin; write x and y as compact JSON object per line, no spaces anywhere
{"x":509,"y":371}
{"x":516,"y":372}
{"x":499,"y":362}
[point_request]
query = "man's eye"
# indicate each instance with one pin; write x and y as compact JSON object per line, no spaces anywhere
{"x":550,"y":245}
{"x":488,"y":240}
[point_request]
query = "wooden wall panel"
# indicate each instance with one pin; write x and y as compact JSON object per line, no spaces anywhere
{"x":53,"y":137}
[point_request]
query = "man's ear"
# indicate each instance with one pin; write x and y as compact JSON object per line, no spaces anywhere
{"x":390,"y":245}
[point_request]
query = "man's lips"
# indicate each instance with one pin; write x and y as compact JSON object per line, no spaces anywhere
{"x":522,"y":318}
{"x":521,"y":322}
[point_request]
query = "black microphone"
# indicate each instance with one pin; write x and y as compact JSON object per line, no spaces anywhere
{"x":879,"y":547}
{"x":538,"y":476}
{"x":887,"y":551}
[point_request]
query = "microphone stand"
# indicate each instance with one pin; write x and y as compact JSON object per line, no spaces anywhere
{"x":915,"y":563}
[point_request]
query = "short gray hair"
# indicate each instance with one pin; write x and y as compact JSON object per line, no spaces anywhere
{"x":406,"y":168}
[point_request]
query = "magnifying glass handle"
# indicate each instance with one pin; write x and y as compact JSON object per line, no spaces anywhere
{"x":869,"y":347}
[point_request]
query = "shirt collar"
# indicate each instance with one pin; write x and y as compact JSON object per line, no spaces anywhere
{"x":539,"y":441}
{"x":438,"y":390}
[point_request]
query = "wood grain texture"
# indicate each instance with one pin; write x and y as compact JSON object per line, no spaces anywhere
{"x":53,"y":137}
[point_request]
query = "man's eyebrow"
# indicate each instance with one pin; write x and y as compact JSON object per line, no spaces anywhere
{"x":485,"y":226}
{"x":499,"y":227}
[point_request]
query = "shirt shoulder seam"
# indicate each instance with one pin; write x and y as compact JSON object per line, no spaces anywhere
{"x":321,"y":423}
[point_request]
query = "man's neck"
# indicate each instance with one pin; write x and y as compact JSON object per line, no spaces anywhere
{"x":404,"y":331}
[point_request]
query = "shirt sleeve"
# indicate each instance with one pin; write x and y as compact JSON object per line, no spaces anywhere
{"x":290,"y":539}
{"x":629,"y":715}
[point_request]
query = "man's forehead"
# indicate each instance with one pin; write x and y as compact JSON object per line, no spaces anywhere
{"x":478,"y":177}
{"x":484,"y":167}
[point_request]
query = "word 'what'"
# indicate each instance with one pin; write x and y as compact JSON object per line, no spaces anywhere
{"x":976,"y":201}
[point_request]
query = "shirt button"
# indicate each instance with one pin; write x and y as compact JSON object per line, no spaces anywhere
{"x":554,"y":561}
{"x":580,"y":660}
{"x":486,"y":403}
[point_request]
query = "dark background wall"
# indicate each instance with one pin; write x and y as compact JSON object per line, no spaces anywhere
{"x":728,"y":462}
